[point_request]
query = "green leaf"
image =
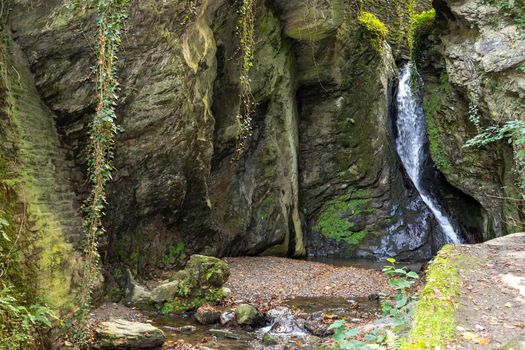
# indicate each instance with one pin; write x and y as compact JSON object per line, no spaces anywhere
{"x":391,"y":260}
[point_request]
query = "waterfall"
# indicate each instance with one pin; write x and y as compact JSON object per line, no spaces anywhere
{"x":410,"y":147}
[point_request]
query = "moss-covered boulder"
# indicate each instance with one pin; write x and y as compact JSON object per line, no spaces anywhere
{"x":206,"y":271}
{"x":248,"y":315}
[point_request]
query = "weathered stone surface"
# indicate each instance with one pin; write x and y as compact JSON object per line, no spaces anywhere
{"x":122,"y":334}
{"x":207,"y":314}
{"x":165,"y":292}
{"x":471,"y":71}
{"x":322,"y":126}
{"x":136,"y":294}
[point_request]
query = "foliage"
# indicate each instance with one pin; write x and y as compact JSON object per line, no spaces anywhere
{"x":401,"y":307}
{"x":434,"y":319}
{"x":512,"y":9}
{"x":247,"y":103}
{"x":110,"y":17}
{"x":400,"y":311}
{"x":420,"y":23}
{"x":514,"y":132}
{"x":174,"y":254}
{"x":184,"y":303}
{"x":19,"y":325}
{"x":335,"y":221}
{"x":375,"y":27}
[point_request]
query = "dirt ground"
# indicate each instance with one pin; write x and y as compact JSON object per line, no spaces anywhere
{"x":264,"y":278}
{"x":491,"y":310}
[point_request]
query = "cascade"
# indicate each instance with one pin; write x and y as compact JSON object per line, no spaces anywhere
{"x":410,"y":145}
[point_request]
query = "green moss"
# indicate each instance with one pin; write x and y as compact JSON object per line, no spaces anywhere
{"x":420,"y":24}
{"x":432,"y":104}
{"x":335,"y":222}
{"x":373,"y":24}
{"x":434,"y":321}
{"x":377,"y":29}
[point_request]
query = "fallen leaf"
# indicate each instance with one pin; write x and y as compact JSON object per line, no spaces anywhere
{"x":473,"y":337}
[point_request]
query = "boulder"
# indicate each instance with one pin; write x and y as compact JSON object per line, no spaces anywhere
{"x":165,"y":292}
{"x":136,"y":293}
{"x":246,"y":314}
{"x":122,"y":334}
{"x":227,"y":317}
{"x":207,"y":314}
{"x":207,"y":271}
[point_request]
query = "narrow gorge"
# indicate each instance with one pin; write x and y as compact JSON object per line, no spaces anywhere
{"x":140,"y":138}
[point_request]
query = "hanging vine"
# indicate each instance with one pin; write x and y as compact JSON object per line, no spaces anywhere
{"x":110,"y":18}
{"x":247,"y":103}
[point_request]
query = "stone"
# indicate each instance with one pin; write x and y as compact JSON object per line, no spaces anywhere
{"x":207,"y":314}
{"x":187,"y":329}
{"x":122,"y":334}
{"x":226,"y":292}
{"x":227,"y":317}
{"x":246,"y":314}
{"x":165,"y":292}
{"x":224,"y":333}
{"x":317,"y":328}
{"x":136,"y":294}
{"x":208,"y":270}
{"x":269,"y":340}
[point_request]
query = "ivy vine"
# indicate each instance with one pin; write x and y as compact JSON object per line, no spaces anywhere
{"x":247,"y":103}
{"x":103,"y":128}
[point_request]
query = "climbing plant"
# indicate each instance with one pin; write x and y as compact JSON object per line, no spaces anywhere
{"x":514,"y":132}
{"x":103,"y":128}
{"x":247,"y":104}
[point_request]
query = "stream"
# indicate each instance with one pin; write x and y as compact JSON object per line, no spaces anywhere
{"x":285,"y":324}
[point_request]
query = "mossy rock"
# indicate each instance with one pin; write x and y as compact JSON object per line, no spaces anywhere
{"x":165,"y":292}
{"x":246,"y":314}
{"x":207,"y":271}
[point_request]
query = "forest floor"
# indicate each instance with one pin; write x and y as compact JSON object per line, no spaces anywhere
{"x":491,"y":305}
{"x":269,"y":278}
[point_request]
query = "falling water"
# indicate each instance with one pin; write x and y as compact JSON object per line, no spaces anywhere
{"x":410,"y":147}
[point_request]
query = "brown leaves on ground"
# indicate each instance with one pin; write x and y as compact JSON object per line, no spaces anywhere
{"x":255,"y":279}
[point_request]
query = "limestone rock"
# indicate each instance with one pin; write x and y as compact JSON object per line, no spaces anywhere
{"x":165,"y":292}
{"x":122,"y":334}
{"x":136,"y":293}
{"x":246,"y":314}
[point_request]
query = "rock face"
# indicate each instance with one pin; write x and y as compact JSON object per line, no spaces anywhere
{"x":471,"y":67}
{"x":319,"y":174}
{"x":122,"y":334}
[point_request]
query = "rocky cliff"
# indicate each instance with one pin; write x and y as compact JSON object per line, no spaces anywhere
{"x":320,"y":174}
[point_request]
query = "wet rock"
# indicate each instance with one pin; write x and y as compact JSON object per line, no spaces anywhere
{"x":188,"y":329}
{"x":227,"y":317}
{"x":315,"y":325}
{"x":122,"y":334}
{"x":165,"y":292}
{"x":246,"y":314}
{"x":284,"y":322}
{"x":269,"y":340}
{"x":136,"y":293}
{"x":207,"y":314}
{"x":224,"y":333}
